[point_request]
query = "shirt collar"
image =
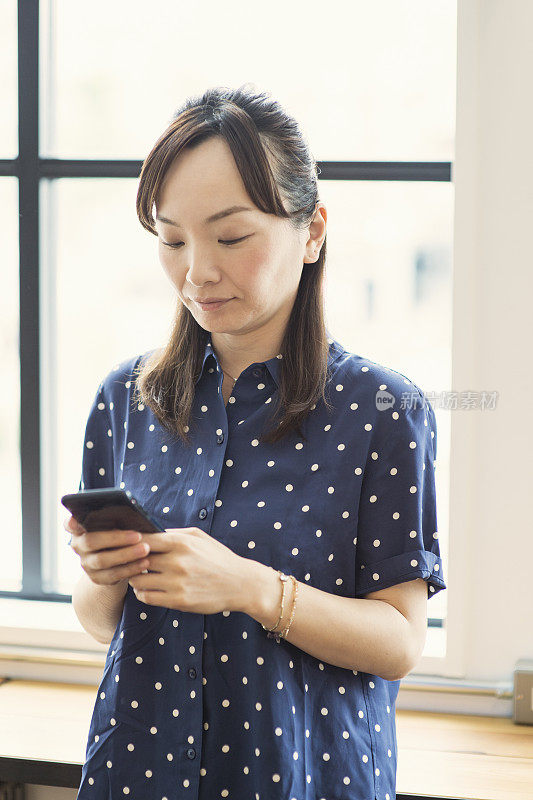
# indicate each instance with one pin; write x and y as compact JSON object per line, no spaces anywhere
{"x":273,"y":364}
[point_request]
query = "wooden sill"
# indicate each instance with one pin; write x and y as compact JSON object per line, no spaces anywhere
{"x":463,"y":756}
{"x":44,"y":727}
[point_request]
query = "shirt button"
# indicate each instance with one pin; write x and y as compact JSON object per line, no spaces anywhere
{"x":202,"y":513}
{"x":220,"y":438}
{"x":192,"y":672}
{"x":191,"y":752}
{"x":256,"y":373}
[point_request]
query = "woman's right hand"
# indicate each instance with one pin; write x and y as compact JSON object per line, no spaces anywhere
{"x":106,"y":566}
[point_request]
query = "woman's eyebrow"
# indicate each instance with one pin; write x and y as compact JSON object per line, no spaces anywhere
{"x":213,"y":218}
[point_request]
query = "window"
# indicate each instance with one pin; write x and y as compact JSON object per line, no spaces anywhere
{"x":380,"y":120}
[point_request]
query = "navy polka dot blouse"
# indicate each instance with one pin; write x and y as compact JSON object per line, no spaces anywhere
{"x":207,"y":706}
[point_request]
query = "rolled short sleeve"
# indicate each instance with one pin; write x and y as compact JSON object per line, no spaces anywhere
{"x":397,"y":536}
{"x":97,"y":466}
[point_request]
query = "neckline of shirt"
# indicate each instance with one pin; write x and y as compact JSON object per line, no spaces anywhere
{"x":272,"y":364}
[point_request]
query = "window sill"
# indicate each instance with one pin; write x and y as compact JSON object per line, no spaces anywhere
{"x":45,"y":641}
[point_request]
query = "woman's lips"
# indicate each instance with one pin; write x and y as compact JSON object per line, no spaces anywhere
{"x":212,"y":306}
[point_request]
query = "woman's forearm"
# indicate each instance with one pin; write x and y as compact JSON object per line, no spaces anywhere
{"x":98,"y":607}
{"x":355,"y":633}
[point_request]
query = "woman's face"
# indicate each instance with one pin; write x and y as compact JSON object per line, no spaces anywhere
{"x":260,"y":271}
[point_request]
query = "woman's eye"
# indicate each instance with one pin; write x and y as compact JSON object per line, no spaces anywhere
{"x":232,"y":241}
{"x":175,"y":245}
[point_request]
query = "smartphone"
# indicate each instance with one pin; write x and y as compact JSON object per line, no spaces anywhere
{"x":104,"y":509}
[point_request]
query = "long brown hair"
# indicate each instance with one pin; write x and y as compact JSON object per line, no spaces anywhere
{"x":274,"y":161}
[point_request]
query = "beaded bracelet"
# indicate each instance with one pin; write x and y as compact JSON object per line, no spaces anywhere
{"x":272,"y":633}
{"x":295,"y":595}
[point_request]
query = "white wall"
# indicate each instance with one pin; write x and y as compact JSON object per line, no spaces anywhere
{"x":491,"y":532}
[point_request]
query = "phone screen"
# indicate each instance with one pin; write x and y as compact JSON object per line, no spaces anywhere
{"x":105,"y":509}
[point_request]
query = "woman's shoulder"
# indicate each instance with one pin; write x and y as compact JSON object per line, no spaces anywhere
{"x":376,"y":382}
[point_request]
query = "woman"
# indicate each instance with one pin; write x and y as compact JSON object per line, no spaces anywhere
{"x":258,"y":644}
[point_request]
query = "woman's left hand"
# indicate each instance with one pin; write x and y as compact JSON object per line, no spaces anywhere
{"x":192,"y":572}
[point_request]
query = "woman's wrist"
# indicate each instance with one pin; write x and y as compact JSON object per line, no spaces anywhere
{"x":263,"y":596}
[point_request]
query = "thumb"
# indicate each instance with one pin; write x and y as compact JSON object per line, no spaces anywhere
{"x":191,"y":531}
